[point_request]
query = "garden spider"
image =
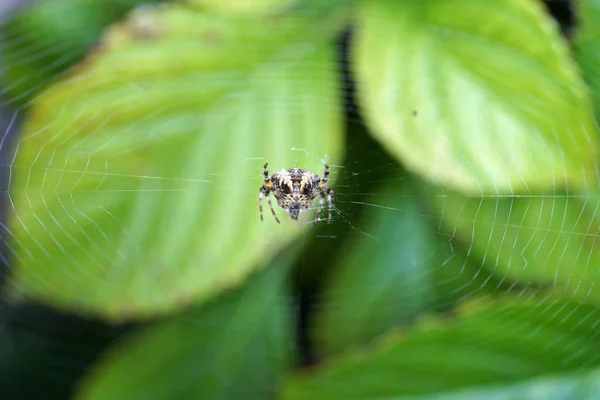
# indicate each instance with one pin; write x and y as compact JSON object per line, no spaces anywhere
{"x":295,"y":189}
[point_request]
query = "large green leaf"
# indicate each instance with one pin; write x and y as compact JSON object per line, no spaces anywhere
{"x":399,"y":271}
{"x":541,"y":240}
{"x":498,"y":343}
{"x":43,"y":39}
{"x":135,"y":187}
{"x":237,"y":347}
{"x":587,"y":44}
{"x":480,"y":96}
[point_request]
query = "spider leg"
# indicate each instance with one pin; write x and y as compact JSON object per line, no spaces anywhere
{"x":264,"y":192}
{"x":325,"y":193}
{"x":325,"y":175}
{"x":260,"y":201}
{"x":266,"y":173}
{"x":321,"y":201}
{"x":330,"y":202}
{"x":272,"y":209}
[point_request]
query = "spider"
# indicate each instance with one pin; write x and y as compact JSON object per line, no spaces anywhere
{"x":295,"y":189}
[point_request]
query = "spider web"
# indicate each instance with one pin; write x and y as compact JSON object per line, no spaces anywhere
{"x":358,"y":184}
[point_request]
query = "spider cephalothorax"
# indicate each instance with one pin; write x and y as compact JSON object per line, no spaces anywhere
{"x":295,"y":189}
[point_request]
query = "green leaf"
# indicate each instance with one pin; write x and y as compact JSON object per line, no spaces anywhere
{"x":498,"y":343}
{"x":587,"y":44}
{"x":43,"y":39}
{"x":401,"y":270}
{"x":136,"y":181}
{"x":547,"y":241}
{"x":479,"y":96}
{"x":380,"y":281}
{"x":237,"y":347}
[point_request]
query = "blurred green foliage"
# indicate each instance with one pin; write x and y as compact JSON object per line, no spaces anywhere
{"x":238,"y":347}
{"x":468,"y":273}
{"x":486,"y":342}
{"x":39,"y":44}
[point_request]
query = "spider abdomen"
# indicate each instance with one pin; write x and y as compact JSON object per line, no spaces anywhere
{"x":295,"y":189}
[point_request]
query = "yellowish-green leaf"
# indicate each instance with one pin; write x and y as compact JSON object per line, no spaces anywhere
{"x":481,"y":96}
{"x":135,"y":185}
{"x":545,"y":240}
{"x":242,"y":6}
